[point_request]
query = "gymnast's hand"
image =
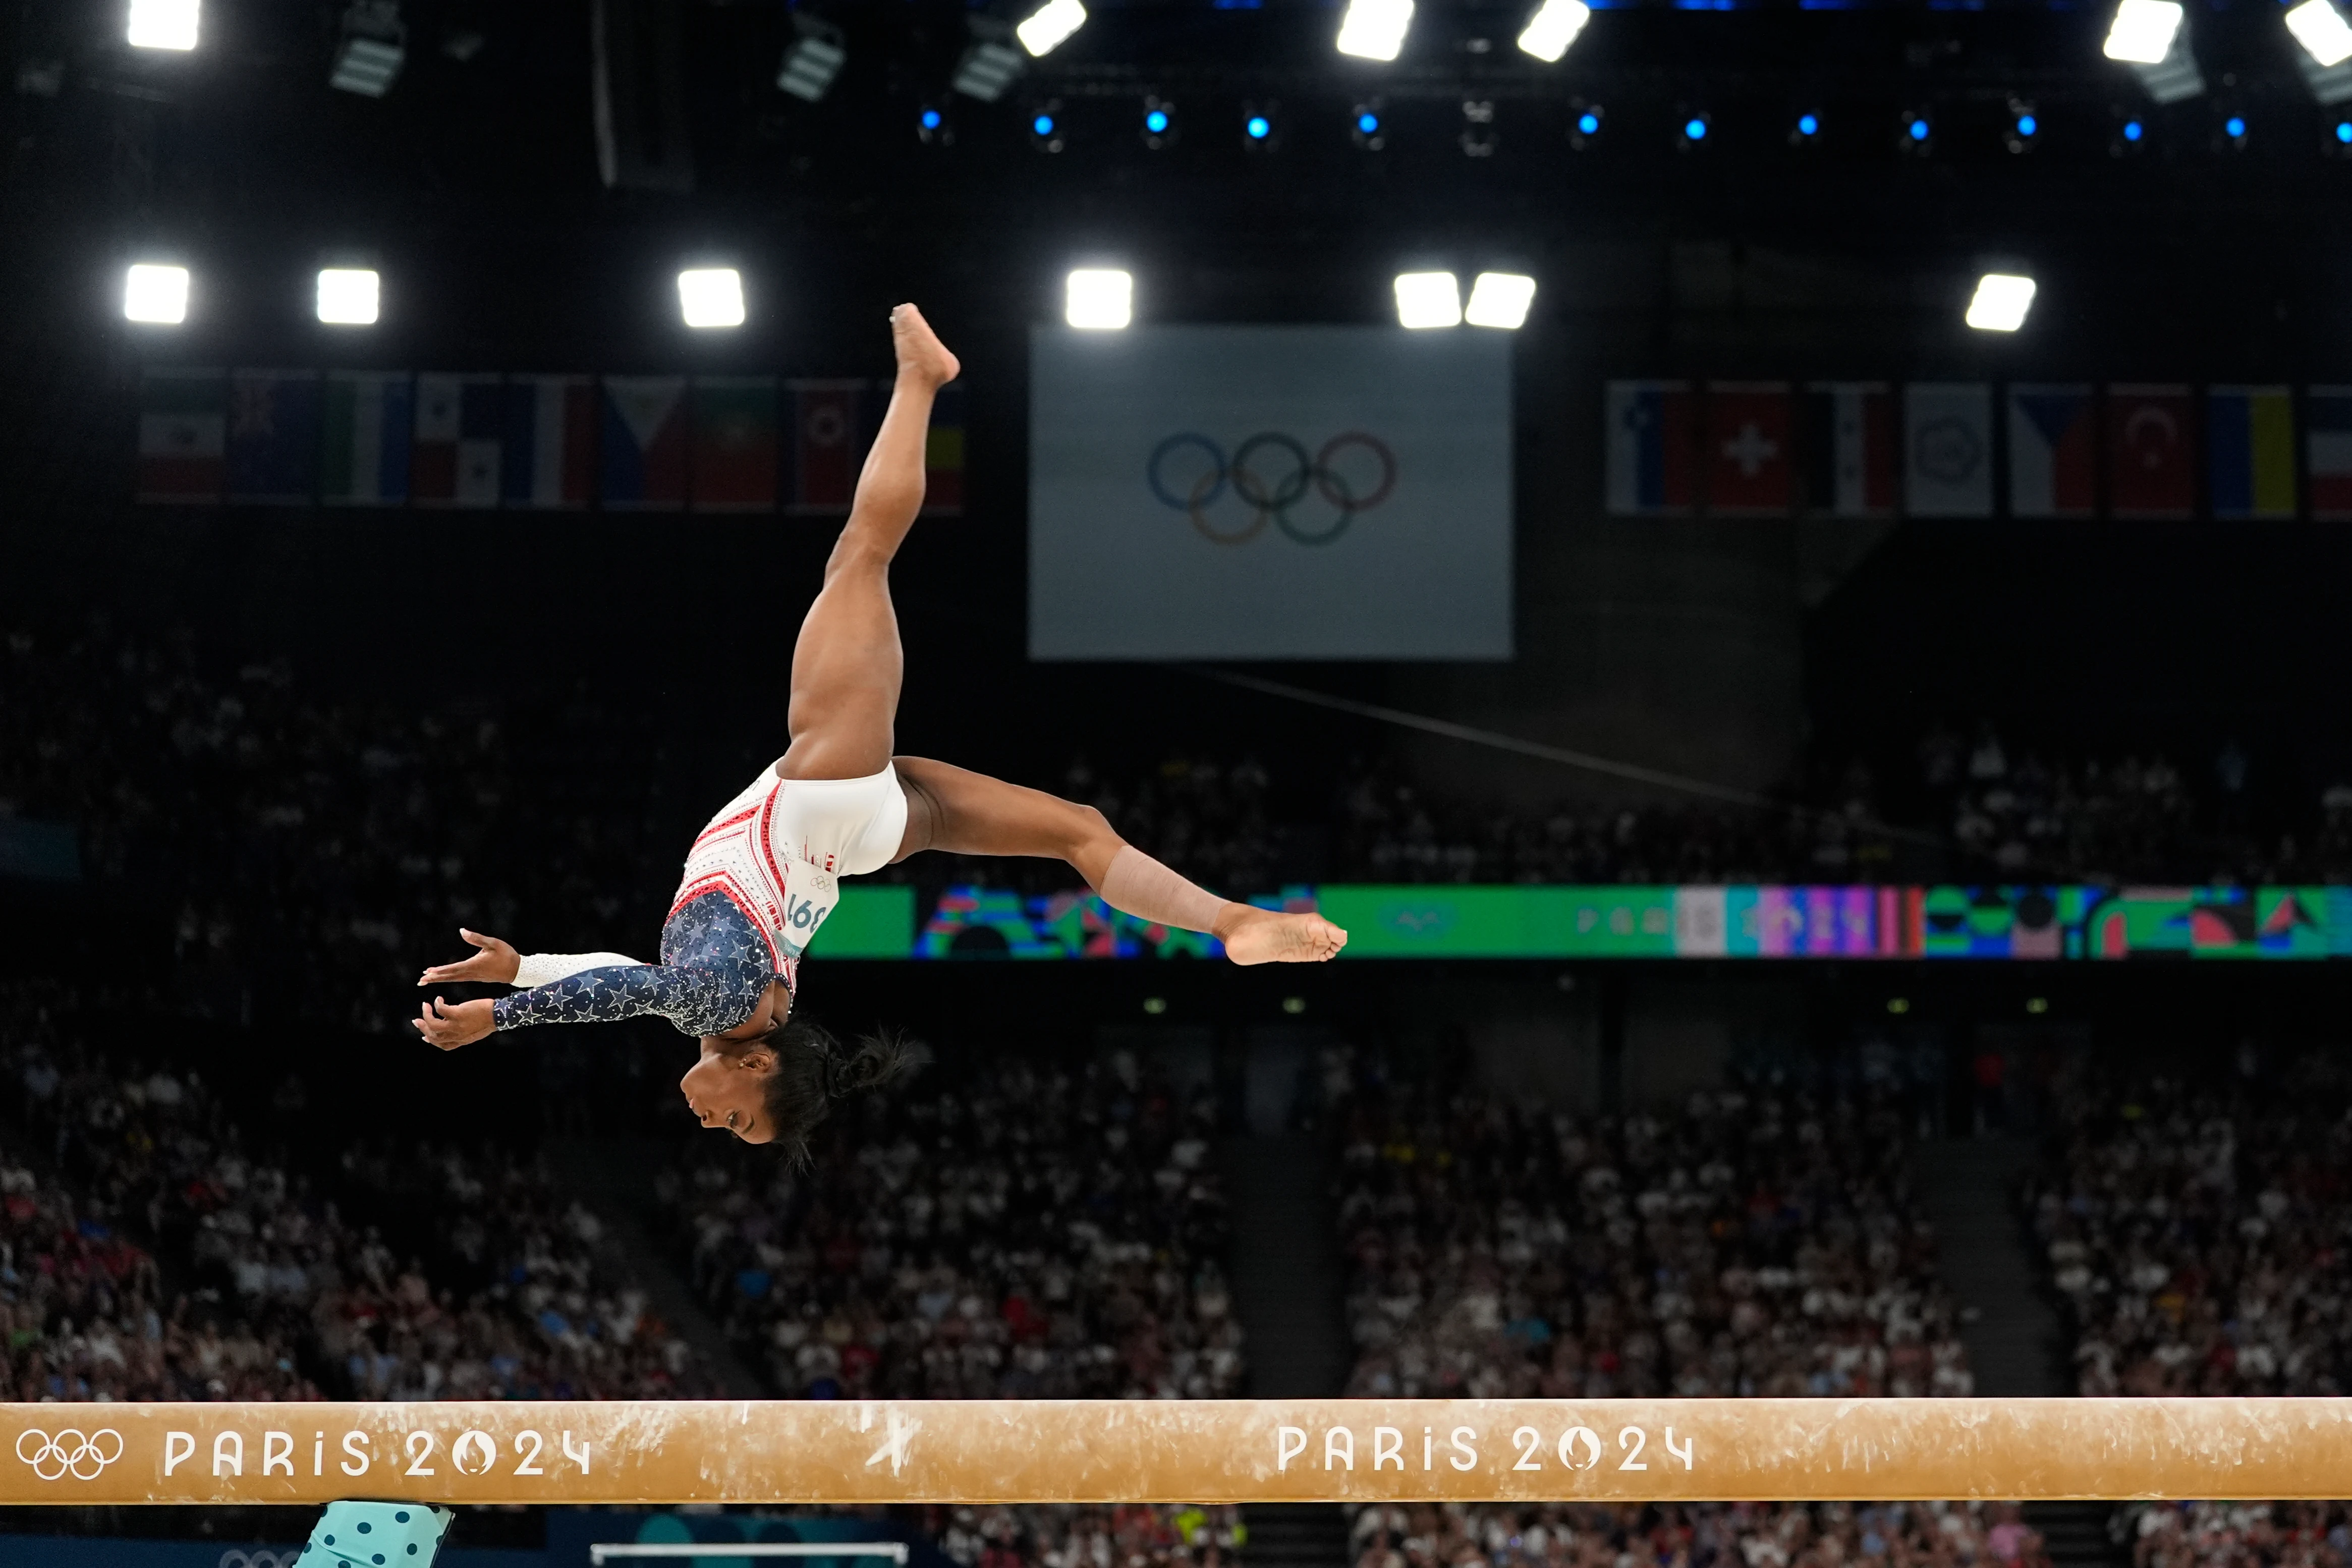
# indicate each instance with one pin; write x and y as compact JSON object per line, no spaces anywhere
{"x":497,"y":962}
{"x":449,"y":1024}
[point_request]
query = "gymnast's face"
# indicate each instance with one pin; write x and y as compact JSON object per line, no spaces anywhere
{"x":726,"y":1088}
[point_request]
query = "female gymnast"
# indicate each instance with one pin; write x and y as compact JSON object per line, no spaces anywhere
{"x":766,"y":871}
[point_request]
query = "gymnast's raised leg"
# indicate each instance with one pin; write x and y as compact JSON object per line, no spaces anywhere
{"x":846,"y":671}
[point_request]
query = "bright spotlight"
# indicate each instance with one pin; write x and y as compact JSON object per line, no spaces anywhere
{"x":156,"y":294}
{"x":347,"y":296}
{"x":1099,"y":298}
{"x":1375,"y":29}
{"x":1428,"y":299}
{"x":1553,"y":28}
{"x":2322,"y":31}
{"x":2001,"y":301}
{"x":163,"y":23}
{"x":710,"y":297}
{"x":1499,"y":299}
{"x":816,"y":57}
{"x":2143,"y":31}
{"x":1049,"y":24}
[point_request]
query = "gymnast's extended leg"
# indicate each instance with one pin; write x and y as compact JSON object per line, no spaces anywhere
{"x":847,"y":666}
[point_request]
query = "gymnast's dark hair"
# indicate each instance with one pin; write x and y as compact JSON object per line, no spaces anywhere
{"x":813,"y":1071}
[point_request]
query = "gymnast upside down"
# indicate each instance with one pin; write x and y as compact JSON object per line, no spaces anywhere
{"x":763,"y":875}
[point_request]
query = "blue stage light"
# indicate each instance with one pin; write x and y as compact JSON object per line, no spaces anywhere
{"x":2133,"y":130}
{"x":1368,"y":124}
{"x":2343,"y":131}
{"x":2234,"y":127}
{"x":1808,"y":125}
{"x":1043,"y":125}
{"x":1259,"y":128}
{"x":1918,"y":131}
{"x":931,"y":119}
{"x":1695,"y":129}
{"x":1156,"y":121}
{"x":2027,"y":125}
{"x":1587,"y":122}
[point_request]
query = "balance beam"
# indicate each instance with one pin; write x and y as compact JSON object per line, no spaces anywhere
{"x":1327,"y":1450}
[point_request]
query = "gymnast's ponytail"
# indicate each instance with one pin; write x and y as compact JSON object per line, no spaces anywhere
{"x":813,"y":1071}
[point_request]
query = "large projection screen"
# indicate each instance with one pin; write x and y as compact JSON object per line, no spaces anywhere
{"x":1270,"y":492}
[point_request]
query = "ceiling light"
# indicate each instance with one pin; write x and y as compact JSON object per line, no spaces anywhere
{"x":371,"y":48}
{"x":1428,"y":299}
{"x":163,"y":23}
{"x":2143,"y":31}
{"x":990,"y":63}
{"x":1049,"y":24}
{"x":2320,"y":28}
{"x":1499,"y":299}
{"x":2000,"y":303}
{"x":711,"y":297}
{"x":347,"y":296}
{"x":815,"y":57}
{"x":1375,"y":29}
{"x":1099,"y":298}
{"x":1553,"y":28}
{"x":155,"y":293}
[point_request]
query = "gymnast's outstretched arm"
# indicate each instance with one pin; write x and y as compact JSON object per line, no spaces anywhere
{"x":965,"y":813}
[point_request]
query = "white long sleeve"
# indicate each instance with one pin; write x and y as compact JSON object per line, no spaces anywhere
{"x":546,"y":968}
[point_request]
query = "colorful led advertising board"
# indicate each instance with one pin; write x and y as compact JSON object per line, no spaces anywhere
{"x":1949,"y":921}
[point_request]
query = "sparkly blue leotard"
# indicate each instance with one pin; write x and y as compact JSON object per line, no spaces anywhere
{"x":715,"y":966}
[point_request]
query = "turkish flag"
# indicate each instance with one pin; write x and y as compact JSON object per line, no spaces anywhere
{"x":1751,"y":462}
{"x":2151,"y":452}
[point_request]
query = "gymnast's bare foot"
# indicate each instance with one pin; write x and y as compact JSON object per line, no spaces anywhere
{"x":920,"y":353}
{"x":1263,"y":936}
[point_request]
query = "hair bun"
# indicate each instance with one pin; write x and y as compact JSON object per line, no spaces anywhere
{"x":878,"y":1059}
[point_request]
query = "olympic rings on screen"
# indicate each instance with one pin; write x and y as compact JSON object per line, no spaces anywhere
{"x":69,"y":1453}
{"x":1288,"y":474}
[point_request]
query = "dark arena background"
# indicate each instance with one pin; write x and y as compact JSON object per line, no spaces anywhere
{"x":1819,"y":706}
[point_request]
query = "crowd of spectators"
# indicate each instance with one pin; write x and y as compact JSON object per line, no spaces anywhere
{"x":1035,"y":1230}
{"x":1753,"y":1244}
{"x":2195,"y":1232}
{"x":254,"y":814}
{"x":1707,"y":1535}
{"x":282,"y":1290}
{"x":2236,"y":1534}
{"x":1126,"y":1535}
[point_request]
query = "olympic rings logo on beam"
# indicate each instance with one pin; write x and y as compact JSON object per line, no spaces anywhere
{"x":69,"y":1453}
{"x":1269,"y":474}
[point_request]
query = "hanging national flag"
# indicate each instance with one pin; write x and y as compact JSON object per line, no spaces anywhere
{"x":460,"y":430}
{"x":2053,"y":452}
{"x":2151,"y":452}
{"x":272,"y":458}
{"x":734,"y":443}
{"x":549,"y":442}
{"x":2327,"y":460}
{"x":642,"y":443}
{"x":1751,"y":458}
{"x":1850,"y":447}
{"x":944,"y":454}
{"x":1650,"y":437}
{"x":369,"y":417}
{"x":183,"y":427}
{"x":1948,"y":449}
{"x":2250,"y":451}
{"x":831,"y":430}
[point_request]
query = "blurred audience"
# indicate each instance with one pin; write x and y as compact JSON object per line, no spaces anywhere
{"x":1038,"y":1231}
{"x":2195,"y":1232}
{"x":1702,"y":1535}
{"x":1754,"y":1244}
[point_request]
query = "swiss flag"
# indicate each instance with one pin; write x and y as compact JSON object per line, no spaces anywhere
{"x":1751,"y":458}
{"x":2151,"y":452}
